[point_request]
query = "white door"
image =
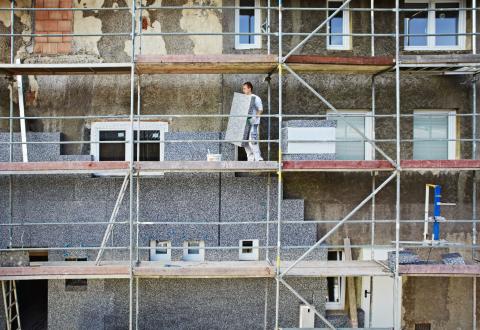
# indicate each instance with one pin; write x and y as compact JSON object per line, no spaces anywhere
{"x":377,"y":294}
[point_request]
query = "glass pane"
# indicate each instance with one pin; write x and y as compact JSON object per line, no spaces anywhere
{"x":247,"y":22}
{"x":333,"y":285}
{"x":148,"y":151}
{"x":349,"y":150}
{"x":446,"y":22}
{"x":416,"y":22}
{"x":193,"y":251}
{"x":335,"y":25}
{"x":161,"y":247}
{"x":427,"y":127}
{"x":112,"y":151}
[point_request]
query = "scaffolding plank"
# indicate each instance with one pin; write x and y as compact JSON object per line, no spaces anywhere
{"x":440,"y":270}
{"x":185,"y":269}
{"x":441,"y":165}
{"x":65,"y":69}
{"x":441,"y":63}
{"x":191,"y":64}
{"x":206,"y":166}
{"x":211,"y":269}
{"x":338,"y":64}
{"x":337,"y":165}
{"x":64,"y":167}
{"x":71,"y":271}
{"x":335,"y":268}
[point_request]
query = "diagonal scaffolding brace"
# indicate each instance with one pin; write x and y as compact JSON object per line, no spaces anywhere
{"x":346,"y":121}
{"x":341,"y":222}
{"x":113,"y":217}
{"x":299,"y":296}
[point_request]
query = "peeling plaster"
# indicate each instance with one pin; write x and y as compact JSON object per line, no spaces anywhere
{"x":150,"y":45}
{"x":194,"y":20}
{"x":86,"y":25}
{"x":25,"y":19}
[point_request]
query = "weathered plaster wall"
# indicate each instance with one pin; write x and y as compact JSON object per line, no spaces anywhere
{"x":445,"y":303}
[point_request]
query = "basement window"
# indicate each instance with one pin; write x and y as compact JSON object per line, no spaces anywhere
{"x":335,"y":300}
{"x":247,"y":20}
{"x":160,"y":250}
{"x":248,"y":249}
{"x":338,"y":26}
{"x":423,"y":326}
{"x":437,"y":28}
{"x":110,"y":141}
{"x":194,"y":250}
{"x":351,"y":145}
{"x":76,"y":284}
{"x":434,"y":134}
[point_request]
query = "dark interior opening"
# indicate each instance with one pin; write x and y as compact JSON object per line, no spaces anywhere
{"x":33,"y":304}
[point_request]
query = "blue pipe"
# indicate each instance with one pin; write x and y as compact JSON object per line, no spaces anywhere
{"x":436,"y":212}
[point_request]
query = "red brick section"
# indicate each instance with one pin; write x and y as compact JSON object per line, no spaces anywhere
{"x":53,"y":22}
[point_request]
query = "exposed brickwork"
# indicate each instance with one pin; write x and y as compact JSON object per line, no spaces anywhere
{"x":53,"y":22}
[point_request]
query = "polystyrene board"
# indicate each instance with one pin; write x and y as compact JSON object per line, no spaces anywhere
{"x":314,"y":138}
{"x":237,"y":128}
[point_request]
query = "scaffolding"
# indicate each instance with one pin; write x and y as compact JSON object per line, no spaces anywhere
{"x":281,"y":64}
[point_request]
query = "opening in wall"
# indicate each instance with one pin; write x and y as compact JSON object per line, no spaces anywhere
{"x":248,"y":249}
{"x":335,"y":300}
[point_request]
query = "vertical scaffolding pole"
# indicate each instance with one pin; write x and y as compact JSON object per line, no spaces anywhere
{"x":474,"y":156}
{"x":269,"y":51}
{"x":372,"y":27}
{"x":372,"y":226}
{"x":397,"y":312}
{"x":131,"y":169}
{"x":279,"y":189}
{"x":10,"y":124}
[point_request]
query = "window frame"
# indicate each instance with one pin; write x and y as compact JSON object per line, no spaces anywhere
{"x":252,"y":256}
{"x":369,"y":129}
{"x":462,"y":27}
{"x":346,"y":29}
{"x":451,"y":130}
{"x":96,"y":127}
{"x":258,"y":28}
{"x":194,"y":257}
{"x":340,"y":305}
{"x":154,"y":256}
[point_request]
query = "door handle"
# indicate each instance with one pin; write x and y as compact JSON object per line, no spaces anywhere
{"x":366,"y":292}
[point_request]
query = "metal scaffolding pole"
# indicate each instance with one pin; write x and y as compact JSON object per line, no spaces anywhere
{"x":397,"y":312}
{"x":279,"y":181}
{"x":131,"y":169}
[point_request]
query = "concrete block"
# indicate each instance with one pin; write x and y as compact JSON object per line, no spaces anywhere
{"x":14,"y":258}
{"x":453,"y":259}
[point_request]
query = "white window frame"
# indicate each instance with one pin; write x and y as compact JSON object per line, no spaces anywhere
{"x":369,"y":128}
{"x":340,"y":305}
{"x":451,"y":129}
{"x":154,"y":256}
{"x":248,"y":256}
{"x":462,"y":27}
{"x":194,"y":257}
{"x":258,"y":28}
{"x":346,"y":29}
{"x":96,"y":127}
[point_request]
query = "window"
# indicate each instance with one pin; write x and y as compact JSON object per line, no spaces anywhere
{"x":194,"y":250}
{"x":335,"y":285}
{"x":338,"y":25}
{"x":114,"y":135}
{"x":353,"y":148}
{"x":424,"y":25}
{"x":247,"y":21}
{"x":248,"y":250}
{"x":429,"y":128}
{"x":160,"y":250}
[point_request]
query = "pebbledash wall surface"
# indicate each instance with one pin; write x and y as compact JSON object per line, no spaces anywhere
{"x":182,"y":303}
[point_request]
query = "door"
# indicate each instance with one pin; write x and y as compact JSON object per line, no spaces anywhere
{"x":377,"y":300}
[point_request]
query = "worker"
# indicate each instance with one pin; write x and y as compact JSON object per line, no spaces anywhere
{"x":251,"y":147}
